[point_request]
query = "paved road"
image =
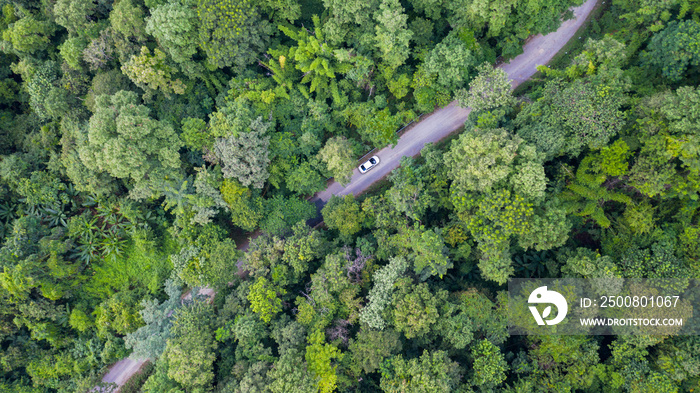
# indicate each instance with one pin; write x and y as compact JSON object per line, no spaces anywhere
{"x":539,"y":50}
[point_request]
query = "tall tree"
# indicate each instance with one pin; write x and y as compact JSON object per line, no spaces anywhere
{"x":126,"y":143}
{"x":245,"y":155}
{"x":174,"y":25}
{"x":343,"y":214}
{"x":393,"y":35}
{"x":231,"y":32}
{"x":490,"y":89}
{"x":431,"y":372}
{"x":152,"y":72}
{"x":569,"y":117}
{"x":338,"y":156}
{"x":190,"y":352}
{"x":316,"y":59}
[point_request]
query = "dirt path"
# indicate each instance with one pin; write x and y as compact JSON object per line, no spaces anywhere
{"x":538,"y":50}
{"x":121,"y":371}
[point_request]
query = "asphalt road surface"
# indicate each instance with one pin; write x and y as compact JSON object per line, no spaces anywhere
{"x":539,"y":50}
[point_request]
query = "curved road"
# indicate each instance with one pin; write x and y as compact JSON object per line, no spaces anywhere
{"x":538,"y":51}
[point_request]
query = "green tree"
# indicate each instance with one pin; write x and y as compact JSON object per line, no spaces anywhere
{"x":451,"y":61}
{"x":410,"y":192}
{"x":300,"y":249}
{"x":48,"y":101}
{"x":264,"y":299}
{"x":571,"y":116}
{"x":29,"y":35}
{"x":369,"y":348}
{"x":290,"y":375}
{"x":315,"y":58}
{"x":427,"y":92}
{"x":493,"y":219}
{"x":190,"y":351}
{"x":231,"y":32}
{"x":349,"y":19}
{"x":305,"y":179}
{"x":674,"y":49}
{"x":127,"y":144}
{"x":152,"y":72}
{"x":194,"y":134}
{"x":174,"y":25}
{"x":415,"y":308}
{"x":343,"y":214}
{"x":376,"y":126}
{"x":338,"y":155}
{"x":490,"y":89}
{"x":432,"y":372}
{"x":392,"y":33}
{"x":282,"y":213}
{"x":77,"y":16}
{"x":586,"y":194}
{"x":550,"y":227}
{"x":490,"y":365}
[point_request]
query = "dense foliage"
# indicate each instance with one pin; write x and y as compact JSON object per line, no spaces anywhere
{"x":144,"y":142}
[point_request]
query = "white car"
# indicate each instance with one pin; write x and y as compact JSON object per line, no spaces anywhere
{"x":371,"y":163}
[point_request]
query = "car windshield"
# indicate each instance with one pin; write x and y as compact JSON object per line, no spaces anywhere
{"x":363,"y":167}
{"x":372,"y":160}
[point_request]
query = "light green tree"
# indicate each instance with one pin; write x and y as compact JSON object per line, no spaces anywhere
{"x":343,"y":214}
{"x":245,"y":207}
{"x":264,"y":299}
{"x":174,"y":25}
{"x":490,"y":89}
{"x":432,"y":372}
{"x":128,"y":144}
{"x":315,"y":58}
{"x":28,"y":34}
{"x":152,"y":72}
{"x":128,"y":19}
{"x":393,"y":35}
{"x":319,"y":361}
{"x":490,"y":365}
{"x":338,"y":156}
{"x":190,"y":351}
{"x":231,"y":32}
{"x":76,"y":16}
{"x":481,"y":160}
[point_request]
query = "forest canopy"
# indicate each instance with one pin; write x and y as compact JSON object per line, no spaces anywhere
{"x":155,"y":151}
